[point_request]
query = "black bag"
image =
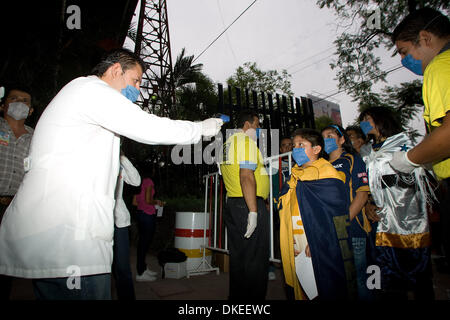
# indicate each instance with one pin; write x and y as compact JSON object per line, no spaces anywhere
{"x":170,"y":255}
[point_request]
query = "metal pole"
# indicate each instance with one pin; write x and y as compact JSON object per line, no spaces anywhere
{"x":216,"y":177}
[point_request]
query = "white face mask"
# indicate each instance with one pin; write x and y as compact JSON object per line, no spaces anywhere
{"x":18,"y":110}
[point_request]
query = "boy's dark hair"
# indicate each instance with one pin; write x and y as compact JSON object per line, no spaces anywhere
{"x":246,"y":115}
{"x":15,"y":86}
{"x":125,"y":57}
{"x":427,"y":19}
{"x":347,"y":146}
{"x":385,"y":119}
{"x":359,"y":133}
{"x":312,"y":136}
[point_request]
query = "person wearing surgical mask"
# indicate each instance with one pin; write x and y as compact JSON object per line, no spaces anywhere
{"x":422,"y":39}
{"x":15,"y":138}
{"x":310,"y":204}
{"x":60,"y":222}
{"x":246,"y":218}
{"x":344,"y":158}
{"x":400,"y":200}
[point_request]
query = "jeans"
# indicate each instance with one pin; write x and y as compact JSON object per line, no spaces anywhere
{"x":121,"y":265}
{"x":359,"y":254}
{"x":146,"y":228}
{"x":92,"y":287}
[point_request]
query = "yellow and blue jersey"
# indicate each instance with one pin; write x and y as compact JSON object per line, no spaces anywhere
{"x":241,"y":152}
{"x":356,"y":180}
{"x":436,"y":97}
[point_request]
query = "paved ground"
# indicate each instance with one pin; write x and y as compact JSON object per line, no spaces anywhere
{"x":206,"y":287}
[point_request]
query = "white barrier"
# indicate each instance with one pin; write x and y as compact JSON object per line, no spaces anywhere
{"x":214,"y":242}
{"x":189,"y":237}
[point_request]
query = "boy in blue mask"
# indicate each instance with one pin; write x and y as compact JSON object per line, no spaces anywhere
{"x":344,"y":158}
{"x":423,"y":42}
{"x":314,"y":219}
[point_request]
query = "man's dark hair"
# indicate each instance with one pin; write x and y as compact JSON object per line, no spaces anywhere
{"x":357,"y":129}
{"x":386,"y":121}
{"x":246,"y":115}
{"x":125,"y":57}
{"x":15,"y":86}
{"x":312,"y":136}
{"x":347,"y":146}
{"x":422,"y":19}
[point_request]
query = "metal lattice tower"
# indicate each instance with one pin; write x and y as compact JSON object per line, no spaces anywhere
{"x":153,"y":46}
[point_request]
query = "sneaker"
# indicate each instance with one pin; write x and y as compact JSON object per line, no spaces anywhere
{"x":272,"y":275}
{"x":145,"y":277}
{"x":150,"y":272}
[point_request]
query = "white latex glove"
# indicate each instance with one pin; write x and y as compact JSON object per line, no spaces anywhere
{"x":251,"y":223}
{"x":211,"y":126}
{"x":401,"y":163}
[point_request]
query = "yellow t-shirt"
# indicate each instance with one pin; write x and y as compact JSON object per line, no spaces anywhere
{"x":242,"y":152}
{"x":436,"y":97}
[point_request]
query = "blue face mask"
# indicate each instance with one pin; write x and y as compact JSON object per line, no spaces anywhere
{"x":330,"y":145}
{"x":300,"y":156}
{"x":413,"y":65}
{"x":130,"y":92}
{"x":365,"y":127}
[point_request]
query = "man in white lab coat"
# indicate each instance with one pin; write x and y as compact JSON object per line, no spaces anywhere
{"x":58,"y":230}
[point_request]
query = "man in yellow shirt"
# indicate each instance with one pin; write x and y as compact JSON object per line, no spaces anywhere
{"x":423,"y":41}
{"x":246,"y":217}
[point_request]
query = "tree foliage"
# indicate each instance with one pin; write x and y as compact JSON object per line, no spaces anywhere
{"x":323,"y":122}
{"x":251,"y":77}
{"x":367,"y":26}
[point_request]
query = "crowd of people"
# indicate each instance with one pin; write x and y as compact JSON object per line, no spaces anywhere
{"x":355,"y":197}
{"x":58,"y":221}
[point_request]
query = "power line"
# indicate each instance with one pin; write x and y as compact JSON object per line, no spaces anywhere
{"x":225,"y":30}
{"x":312,"y":56}
{"x":311,"y":64}
{"x":340,"y":91}
{"x":226,"y":35}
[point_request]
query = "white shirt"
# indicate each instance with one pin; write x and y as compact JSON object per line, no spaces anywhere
{"x":130,"y":175}
{"x":62,"y":214}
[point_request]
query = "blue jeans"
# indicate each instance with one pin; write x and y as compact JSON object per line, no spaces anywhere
{"x":146,"y":227}
{"x":92,"y":287}
{"x":359,"y":254}
{"x":121,"y":265}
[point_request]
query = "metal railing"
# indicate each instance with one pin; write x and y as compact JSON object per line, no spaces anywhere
{"x":217,"y":229}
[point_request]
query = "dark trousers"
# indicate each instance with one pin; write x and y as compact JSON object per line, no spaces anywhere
{"x":121,"y":265}
{"x":146,"y":228}
{"x":92,"y":287}
{"x":249,"y":258}
{"x":444,"y":214}
{"x":5,"y":281}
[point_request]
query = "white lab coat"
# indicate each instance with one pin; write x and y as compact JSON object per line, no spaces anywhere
{"x":128,"y":174}
{"x":62,"y":214}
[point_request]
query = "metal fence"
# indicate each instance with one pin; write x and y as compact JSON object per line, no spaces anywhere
{"x":215,"y":232}
{"x":285,"y":113}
